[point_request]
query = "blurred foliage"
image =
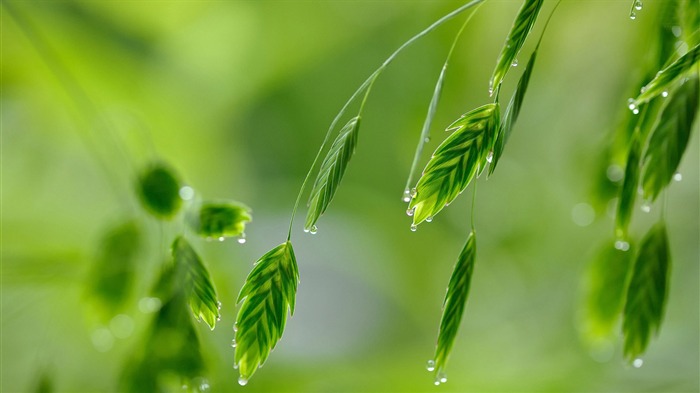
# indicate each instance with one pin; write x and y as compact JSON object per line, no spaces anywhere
{"x":235,"y":97}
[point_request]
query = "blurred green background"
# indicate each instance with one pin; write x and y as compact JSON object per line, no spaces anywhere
{"x":236,"y":96}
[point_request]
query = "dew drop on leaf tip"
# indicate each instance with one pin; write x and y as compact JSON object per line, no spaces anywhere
{"x":429,"y":219}
{"x":489,"y":156}
{"x":313,"y":229}
{"x":406,"y":195}
{"x":633,"y":15}
{"x":637,"y":363}
{"x":414,"y":227}
{"x":638,"y":5}
{"x":242,"y":381}
{"x":430,"y":365}
{"x":409,"y":212}
{"x":514,"y":63}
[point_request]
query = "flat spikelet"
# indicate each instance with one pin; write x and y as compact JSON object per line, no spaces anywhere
{"x":664,"y":78}
{"x":268,"y":294}
{"x":331,"y":172}
{"x":455,"y":162}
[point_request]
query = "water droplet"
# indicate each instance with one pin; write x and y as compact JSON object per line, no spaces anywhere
{"x":414,"y":227}
{"x":664,"y":94}
{"x":622,"y":245}
{"x":429,"y":219}
{"x":241,"y":239}
{"x":409,"y":212}
{"x":442,"y":377}
{"x":437,"y":382}
{"x":646,"y":206}
{"x":233,"y":343}
{"x":676,"y":30}
{"x":638,"y":5}
{"x":204,"y":386}
{"x":406,"y":195}
{"x":427,"y":139}
{"x":430,"y":366}
{"x":414,"y":192}
{"x":514,"y":63}
{"x":677,"y":176}
{"x":235,"y":327}
{"x":306,"y":230}
{"x":615,"y":173}
{"x":186,"y":193}
{"x":631,"y":104}
{"x":635,"y":111}
{"x":313,"y":229}
{"x":218,"y":318}
{"x":489,"y":156}
{"x":637,"y":363}
{"x":242,"y":381}
{"x":491,"y":88}
{"x":221,"y":238}
{"x":633,"y":15}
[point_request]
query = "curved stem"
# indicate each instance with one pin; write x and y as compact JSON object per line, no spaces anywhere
{"x":367,"y":85}
{"x":425,"y":132}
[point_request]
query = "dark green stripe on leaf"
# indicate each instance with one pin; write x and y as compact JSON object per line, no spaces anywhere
{"x":158,"y":190}
{"x":647,"y":292}
{"x":219,"y":219}
{"x":268,"y":294}
{"x":332,"y":171}
{"x":511,"y":113}
{"x":194,"y":279}
{"x":669,"y":138}
{"x":628,"y":193}
{"x":516,"y":38}
{"x":454,"y":303}
{"x":459,"y":158}
{"x":664,"y":78}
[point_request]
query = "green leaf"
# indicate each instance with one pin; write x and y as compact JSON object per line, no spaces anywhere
{"x":331,"y":172}
{"x":158,"y":189}
{"x":665,"y":78}
{"x":219,"y":219}
{"x":511,"y":113}
{"x":608,"y":279}
{"x":112,"y":274}
{"x":453,"y":306}
{"x":170,"y":349}
{"x":669,"y":138}
{"x":514,"y":42}
{"x":647,"y":292}
{"x":267,"y":295}
{"x":459,"y":158}
{"x":194,"y":279}
{"x":628,"y":192}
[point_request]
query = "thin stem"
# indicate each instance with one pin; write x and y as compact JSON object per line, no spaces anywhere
{"x":366,"y":85}
{"x":473,"y":212}
{"x":425,"y":132}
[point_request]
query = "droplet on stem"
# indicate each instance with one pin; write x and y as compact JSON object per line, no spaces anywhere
{"x":430,"y":366}
{"x":242,"y":239}
{"x":313,"y":229}
{"x":414,"y":227}
{"x":638,"y":5}
{"x":514,"y":63}
{"x":489,"y":156}
{"x":429,"y":219}
{"x":646,"y":206}
{"x":414,"y":192}
{"x":242,"y":381}
{"x":409,"y":212}
{"x":406,"y":195}
{"x":633,"y":15}
{"x":442,"y":377}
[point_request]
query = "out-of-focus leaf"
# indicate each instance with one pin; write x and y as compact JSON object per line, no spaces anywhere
{"x":608,"y":278}
{"x":196,"y":283}
{"x":268,"y":294}
{"x":332,"y":171}
{"x":514,"y":42}
{"x":112,"y":274}
{"x":669,"y":138}
{"x":158,"y":190}
{"x":647,"y":292}
{"x":453,"y":306}
{"x":628,"y":192}
{"x":455,"y":162}
{"x":219,"y":219}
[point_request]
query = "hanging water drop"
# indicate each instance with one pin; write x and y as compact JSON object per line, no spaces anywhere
{"x":646,"y":206}
{"x":221,"y":238}
{"x":442,"y":377}
{"x":430,"y":366}
{"x":427,"y":139}
{"x":489,"y":156}
{"x":233,"y":343}
{"x":306,"y":230}
{"x":204,"y":386}
{"x":622,"y":245}
{"x":313,"y":229}
{"x":437,"y":382}
{"x":235,"y":327}
{"x":635,"y":111}
{"x":414,"y":227}
{"x":664,"y":94}
{"x":514,"y":63}
{"x":235,"y":366}
{"x":633,"y":15}
{"x":631,"y":104}
{"x":638,"y":5}
{"x":406,"y":195}
{"x":637,"y":363}
{"x":414,"y":192}
{"x":409,"y":212}
{"x":242,"y":239}
{"x":429,"y":219}
{"x":491,"y":88}
{"x":242,"y":381}
{"x":676,"y":30}
{"x":677,"y":176}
